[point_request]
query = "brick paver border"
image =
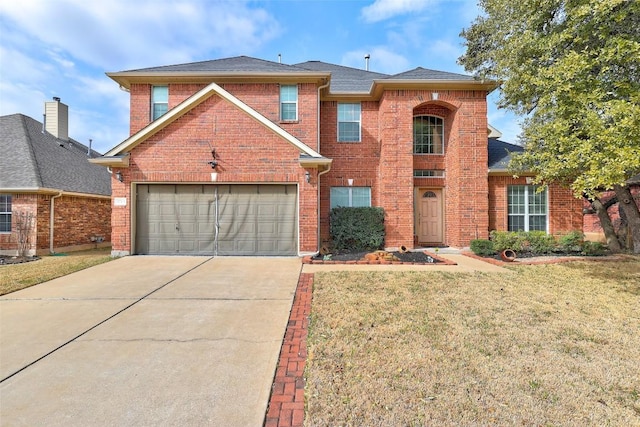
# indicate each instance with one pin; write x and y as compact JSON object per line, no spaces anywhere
{"x":286,"y":404}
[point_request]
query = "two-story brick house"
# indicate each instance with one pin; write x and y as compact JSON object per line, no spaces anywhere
{"x":242,"y":156}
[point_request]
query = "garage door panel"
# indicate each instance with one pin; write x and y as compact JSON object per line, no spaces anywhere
{"x":252,"y":219}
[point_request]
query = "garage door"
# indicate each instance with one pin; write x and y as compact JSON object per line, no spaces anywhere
{"x":216,"y":219}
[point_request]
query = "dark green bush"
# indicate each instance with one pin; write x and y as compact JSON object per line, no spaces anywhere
{"x":593,"y":248}
{"x":508,"y":240}
{"x":540,"y":242}
{"x":356,"y":229}
{"x":571,"y":242}
{"x":482,"y":247}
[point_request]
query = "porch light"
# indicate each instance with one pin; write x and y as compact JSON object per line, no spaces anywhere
{"x":119,"y":176}
{"x":307,"y":177}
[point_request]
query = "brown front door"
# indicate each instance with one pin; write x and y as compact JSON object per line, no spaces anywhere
{"x":430,"y":215}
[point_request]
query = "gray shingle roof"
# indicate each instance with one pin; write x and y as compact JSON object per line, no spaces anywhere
{"x":235,"y":64}
{"x":32,"y":159}
{"x":345,"y":79}
{"x":426,"y":74}
{"x":500,"y":154}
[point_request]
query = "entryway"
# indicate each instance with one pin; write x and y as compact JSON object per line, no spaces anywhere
{"x":429,"y":216}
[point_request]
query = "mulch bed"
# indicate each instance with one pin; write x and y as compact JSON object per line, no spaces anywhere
{"x":6,"y":260}
{"x":417,"y":257}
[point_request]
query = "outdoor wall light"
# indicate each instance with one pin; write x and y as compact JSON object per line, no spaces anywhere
{"x":307,"y":176}
{"x":119,"y":176}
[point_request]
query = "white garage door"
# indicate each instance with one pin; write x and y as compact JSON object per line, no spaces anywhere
{"x":216,"y":219}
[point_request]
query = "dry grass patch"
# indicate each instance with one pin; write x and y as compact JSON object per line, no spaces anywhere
{"x":14,"y":277}
{"x":547,"y":345}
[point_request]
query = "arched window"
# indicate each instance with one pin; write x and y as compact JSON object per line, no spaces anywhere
{"x":429,"y":195}
{"x":428,"y":135}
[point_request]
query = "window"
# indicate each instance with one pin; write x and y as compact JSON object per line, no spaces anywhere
{"x":349,"y":122}
{"x":527,"y":208}
{"x":159,"y":101}
{"x":288,"y":102}
{"x":424,"y":173}
{"x":428,"y":135}
{"x":5,"y":213}
{"x":352,"y":197}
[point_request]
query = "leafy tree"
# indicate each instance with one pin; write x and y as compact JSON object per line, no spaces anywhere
{"x":571,"y":69}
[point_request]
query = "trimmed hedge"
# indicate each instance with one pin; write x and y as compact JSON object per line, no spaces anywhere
{"x":482,"y":247}
{"x":356,"y":229}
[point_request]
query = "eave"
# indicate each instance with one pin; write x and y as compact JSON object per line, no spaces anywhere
{"x":379,"y":86}
{"x":112,"y":161}
{"x":50,"y":192}
{"x":126,"y":78}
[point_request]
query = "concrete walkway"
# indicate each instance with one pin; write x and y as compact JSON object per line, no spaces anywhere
{"x":146,"y":341}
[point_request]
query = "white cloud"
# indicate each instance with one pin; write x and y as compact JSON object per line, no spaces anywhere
{"x":385,"y":9}
{"x":140,"y":33}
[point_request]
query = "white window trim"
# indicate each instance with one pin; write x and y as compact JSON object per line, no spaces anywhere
{"x":10,"y":213}
{"x":350,"y":191}
{"x":153,"y":103}
{"x":338,"y":122}
{"x":526,"y":214}
{"x":443,"y":136}
{"x":295,"y":119}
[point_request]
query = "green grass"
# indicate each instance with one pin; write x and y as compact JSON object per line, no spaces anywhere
{"x":14,"y":277}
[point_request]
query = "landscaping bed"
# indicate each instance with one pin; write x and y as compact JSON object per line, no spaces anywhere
{"x":396,"y":257}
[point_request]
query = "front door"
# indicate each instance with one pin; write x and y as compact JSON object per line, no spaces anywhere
{"x":430,"y":216}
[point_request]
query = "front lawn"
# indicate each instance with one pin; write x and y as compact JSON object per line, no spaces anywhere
{"x":547,"y":345}
{"x":14,"y":277}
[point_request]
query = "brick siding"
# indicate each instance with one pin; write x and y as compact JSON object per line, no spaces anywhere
{"x":77,"y":219}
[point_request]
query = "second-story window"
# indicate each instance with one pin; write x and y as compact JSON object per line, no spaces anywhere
{"x":349,"y":122}
{"x":288,"y":103}
{"x":428,"y":135}
{"x":159,"y":101}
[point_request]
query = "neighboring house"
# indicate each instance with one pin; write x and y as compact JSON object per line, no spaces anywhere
{"x":241,"y":156}
{"x":51,"y":198}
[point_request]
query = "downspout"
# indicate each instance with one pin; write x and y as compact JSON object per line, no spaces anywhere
{"x":324,"y":171}
{"x":51,"y":221}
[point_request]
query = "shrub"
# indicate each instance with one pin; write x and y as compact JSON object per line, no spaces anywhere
{"x":482,"y":247}
{"x":357,"y":229}
{"x":571,"y":242}
{"x":540,"y":242}
{"x":593,"y":248}
{"x":508,"y":240}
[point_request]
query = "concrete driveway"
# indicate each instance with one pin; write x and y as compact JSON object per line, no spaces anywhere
{"x":176,"y":341}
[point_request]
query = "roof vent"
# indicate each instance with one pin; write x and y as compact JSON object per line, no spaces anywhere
{"x":366,"y":61}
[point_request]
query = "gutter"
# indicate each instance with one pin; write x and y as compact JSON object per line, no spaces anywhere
{"x":328,"y":166}
{"x":51,"y":221}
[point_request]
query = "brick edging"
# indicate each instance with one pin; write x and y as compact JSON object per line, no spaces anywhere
{"x":546,"y":261}
{"x":441,"y":261}
{"x":286,"y":403}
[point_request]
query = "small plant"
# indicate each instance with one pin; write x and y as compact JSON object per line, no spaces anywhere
{"x":593,"y":248}
{"x":571,"y":242}
{"x":482,"y":247}
{"x":540,"y":242}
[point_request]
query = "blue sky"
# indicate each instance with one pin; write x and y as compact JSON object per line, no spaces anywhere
{"x":64,"y":47}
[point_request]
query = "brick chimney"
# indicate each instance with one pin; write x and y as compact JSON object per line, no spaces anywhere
{"x":56,"y":118}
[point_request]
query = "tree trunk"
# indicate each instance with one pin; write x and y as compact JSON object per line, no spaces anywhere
{"x":605,"y":222}
{"x":632,"y":213}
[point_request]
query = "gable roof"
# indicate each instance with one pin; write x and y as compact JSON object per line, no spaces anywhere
{"x":115,"y":155}
{"x":33,"y":160}
{"x":500,"y":154}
